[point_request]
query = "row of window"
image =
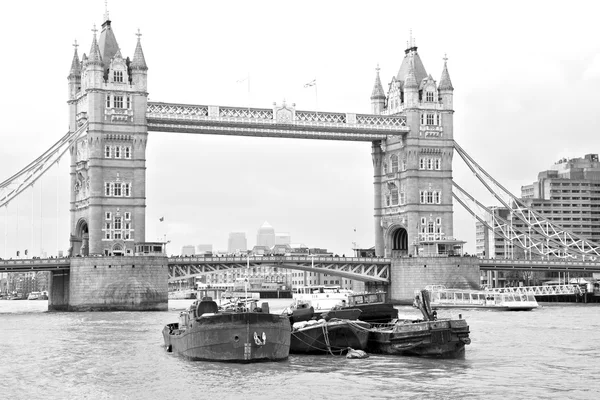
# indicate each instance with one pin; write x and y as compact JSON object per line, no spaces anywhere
{"x":430,"y":197}
{"x":431,"y":163}
{"x":118,"y":76}
{"x":118,"y":101}
{"x":117,"y":152}
{"x":430,"y":227}
{"x":395,"y":197}
{"x":118,"y":227}
{"x":117,"y":189}
{"x":398,"y":197}
{"x":431,"y":119}
{"x":394,"y":159}
{"x":108,"y":216}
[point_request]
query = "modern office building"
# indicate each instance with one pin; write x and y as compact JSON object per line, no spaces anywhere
{"x":204,"y":249}
{"x":237,"y":243}
{"x":283,"y":238}
{"x":568,"y":195}
{"x":188,"y":250}
{"x":265,"y":235}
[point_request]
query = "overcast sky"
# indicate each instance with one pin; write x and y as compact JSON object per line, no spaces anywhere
{"x":526,"y":76}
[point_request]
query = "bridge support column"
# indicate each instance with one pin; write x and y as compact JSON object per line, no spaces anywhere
{"x":414,"y":273}
{"x":377,"y":155}
{"x":58,"y":297}
{"x":136,"y":283}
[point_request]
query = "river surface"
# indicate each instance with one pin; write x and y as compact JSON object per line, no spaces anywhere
{"x":549,"y":353}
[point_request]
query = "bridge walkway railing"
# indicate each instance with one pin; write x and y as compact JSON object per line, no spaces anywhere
{"x":543,"y":290}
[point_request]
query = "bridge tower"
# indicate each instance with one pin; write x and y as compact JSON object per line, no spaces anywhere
{"x":413,"y":172}
{"x":108,"y":174}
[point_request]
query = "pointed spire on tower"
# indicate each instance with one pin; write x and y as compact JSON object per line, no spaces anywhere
{"x":75,"y":64}
{"x":95,"y":57}
{"x":445,"y":82}
{"x":411,"y":80}
{"x":378,"y":92}
{"x":139,"y":62}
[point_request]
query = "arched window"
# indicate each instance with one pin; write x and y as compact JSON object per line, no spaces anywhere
{"x":394,"y":193}
{"x":394,"y":161}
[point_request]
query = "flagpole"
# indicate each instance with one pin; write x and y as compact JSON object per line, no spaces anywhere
{"x":246,"y":280}
{"x":316,"y":97}
{"x":249,"y":98}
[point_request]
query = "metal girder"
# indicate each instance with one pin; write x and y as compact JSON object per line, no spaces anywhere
{"x":26,"y":177}
{"x":239,"y":121}
{"x":546,"y":238}
{"x":361,"y":268}
{"x":538,"y":265}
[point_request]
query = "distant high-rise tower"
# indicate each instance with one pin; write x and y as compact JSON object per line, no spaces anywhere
{"x":237,"y":242}
{"x":283,"y":238}
{"x":265,"y":235}
{"x":204,"y":249}
{"x":188,"y":250}
{"x":413,"y":171}
{"x":108,"y":92}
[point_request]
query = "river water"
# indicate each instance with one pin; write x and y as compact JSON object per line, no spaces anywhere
{"x":549,"y":353}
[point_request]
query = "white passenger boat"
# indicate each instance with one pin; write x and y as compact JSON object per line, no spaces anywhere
{"x":322,"y":298}
{"x":441,"y":297}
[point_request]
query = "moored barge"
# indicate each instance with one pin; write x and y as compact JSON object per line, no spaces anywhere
{"x":247,"y":334}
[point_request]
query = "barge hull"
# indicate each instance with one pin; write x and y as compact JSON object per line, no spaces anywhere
{"x":239,"y":337}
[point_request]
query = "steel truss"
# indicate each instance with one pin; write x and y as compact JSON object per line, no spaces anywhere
{"x":361,"y":269}
{"x":541,"y":238}
{"x":22,"y":180}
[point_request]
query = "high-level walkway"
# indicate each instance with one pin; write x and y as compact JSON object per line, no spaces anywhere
{"x":281,"y":122}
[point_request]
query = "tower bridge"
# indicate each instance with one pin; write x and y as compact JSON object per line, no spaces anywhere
{"x":411,"y":133}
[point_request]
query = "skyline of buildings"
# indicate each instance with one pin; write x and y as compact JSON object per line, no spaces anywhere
{"x":266,"y":239}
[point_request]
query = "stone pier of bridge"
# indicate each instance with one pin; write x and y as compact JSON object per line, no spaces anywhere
{"x":135,"y":283}
{"x":408,"y":274}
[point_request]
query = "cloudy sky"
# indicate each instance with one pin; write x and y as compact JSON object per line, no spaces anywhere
{"x":526,"y":78}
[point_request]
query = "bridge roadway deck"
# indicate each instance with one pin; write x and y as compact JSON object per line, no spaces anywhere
{"x":365,"y":269}
{"x":35,"y":265}
{"x":358,"y":268}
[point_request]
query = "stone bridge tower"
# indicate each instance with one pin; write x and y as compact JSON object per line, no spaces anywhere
{"x":108,"y":173}
{"x":413,"y":172}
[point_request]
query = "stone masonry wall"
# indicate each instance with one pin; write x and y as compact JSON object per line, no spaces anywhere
{"x":411,"y":273}
{"x":136,"y":283}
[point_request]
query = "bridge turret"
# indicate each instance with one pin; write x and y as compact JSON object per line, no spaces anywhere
{"x":74,"y":79}
{"x":377,"y":96}
{"x":92,"y":70}
{"x":445,"y":89}
{"x":139,"y":69}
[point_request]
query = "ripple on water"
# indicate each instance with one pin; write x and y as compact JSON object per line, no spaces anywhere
{"x":121,"y":356}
